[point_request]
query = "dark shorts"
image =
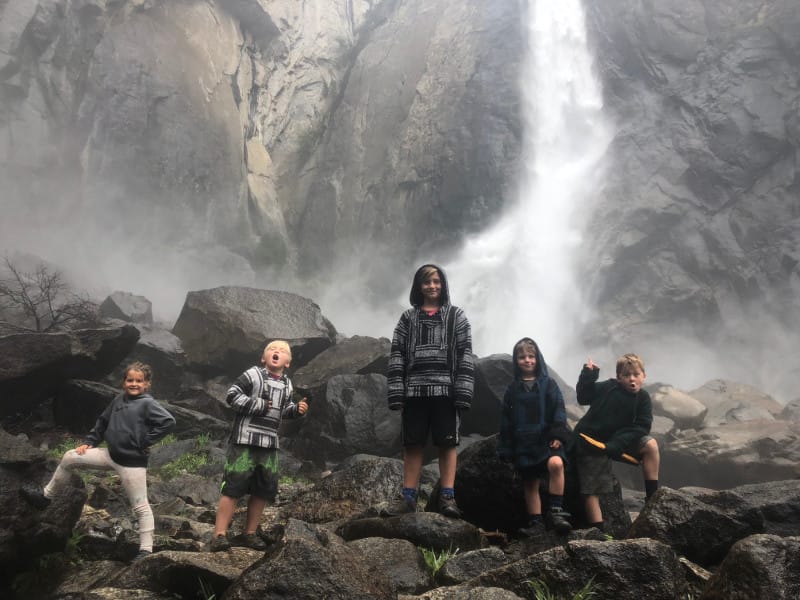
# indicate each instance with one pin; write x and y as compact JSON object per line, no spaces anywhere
{"x":437,"y":416}
{"x":540,"y":470}
{"x":250,"y":470}
{"x":594,"y":468}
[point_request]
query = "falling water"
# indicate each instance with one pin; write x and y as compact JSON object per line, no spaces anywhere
{"x":518,"y":277}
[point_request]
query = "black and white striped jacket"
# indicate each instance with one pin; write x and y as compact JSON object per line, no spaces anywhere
{"x":260,"y":401}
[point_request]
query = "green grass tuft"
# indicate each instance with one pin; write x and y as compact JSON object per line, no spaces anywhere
{"x":436,"y":560}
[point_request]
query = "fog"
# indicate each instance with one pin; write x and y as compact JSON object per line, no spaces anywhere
{"x":517,"y":278}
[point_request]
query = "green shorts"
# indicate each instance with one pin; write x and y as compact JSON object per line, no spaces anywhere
{"x":250,"y":470}
{"x":594,"y":467}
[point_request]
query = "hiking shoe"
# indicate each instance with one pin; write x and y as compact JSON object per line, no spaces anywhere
{"x":532,"y":529}
{"x":399,"y":506}
{"x":448,"y":507}
{"x":219,"y":543}
{"x":249,"y":540}
{"x":34,"y":496}
{"x":557,"y":519}
{"x":142,"y":554}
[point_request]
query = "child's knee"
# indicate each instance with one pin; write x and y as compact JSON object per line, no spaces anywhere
{"x":650,"y":448}
{"x":555,"y":465}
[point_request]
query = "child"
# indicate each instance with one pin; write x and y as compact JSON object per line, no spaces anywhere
{"x":533,"y":433}
{"x":131,"y":424}
{"x":620,"y":415}
{"x":261,"y":396}
{"x":431,"y":379}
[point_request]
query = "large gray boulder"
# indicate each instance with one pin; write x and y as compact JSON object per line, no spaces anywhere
{"x":760,"y":567}
{"x":127,"y":307}
{"x":34,"y":365}
{"x":352,"y":418}
{"x":615,"y":570}
{"x":703,"y":524}
{"x":733,"y":454}
{"x":224,"y":330}
{"x":490,"y":494}
{"x":685,"y":411}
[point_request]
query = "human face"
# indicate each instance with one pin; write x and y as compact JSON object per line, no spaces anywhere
{"x":276,"y":358}
{"x":135,"y":383}
{"x":526,"y":363}
{"x":631,"y":380}
{"x":432,"y":290}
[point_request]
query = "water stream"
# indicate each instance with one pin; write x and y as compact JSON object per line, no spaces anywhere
{"x":517,"y":278}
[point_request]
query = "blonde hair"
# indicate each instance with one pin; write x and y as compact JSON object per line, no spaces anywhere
{"x":629,"y":362}
{"x":279,"y":344}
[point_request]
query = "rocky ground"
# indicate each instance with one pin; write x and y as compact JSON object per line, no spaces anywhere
{"x":340,"y":466}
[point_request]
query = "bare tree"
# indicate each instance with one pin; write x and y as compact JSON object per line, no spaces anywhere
{"x":43,"y":300}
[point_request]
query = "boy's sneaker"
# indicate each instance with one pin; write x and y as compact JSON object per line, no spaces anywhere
{"x":142,"y":554}
{"x":219,"y":543}
{"x":448,"y":507}
{"x":34,"y":496}
{"x":249,"y":540}
{"x":533,"y":529}
{"x":557,"y":519}
{"x":399,"y":506}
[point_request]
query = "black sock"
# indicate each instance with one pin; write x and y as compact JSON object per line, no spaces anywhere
{"x":600,"y":525}
{"x":533,"y":519}
{"x":650,"y":487}
{"x":556,"y":502}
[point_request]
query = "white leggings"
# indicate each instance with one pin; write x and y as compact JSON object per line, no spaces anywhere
{"x":134,"y":482}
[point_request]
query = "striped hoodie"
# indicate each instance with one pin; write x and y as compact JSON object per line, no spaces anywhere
{"x":260,"y":401}
{"x":431,"y":355}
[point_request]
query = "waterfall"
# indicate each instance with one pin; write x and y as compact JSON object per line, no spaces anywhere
{"x":517,"y":278}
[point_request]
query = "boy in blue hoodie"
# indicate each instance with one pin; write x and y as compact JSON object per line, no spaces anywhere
{"x":131,"y":424}
{"x":533,"y":434}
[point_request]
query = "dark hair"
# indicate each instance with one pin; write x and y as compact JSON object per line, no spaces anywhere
{"x":145,"y":370}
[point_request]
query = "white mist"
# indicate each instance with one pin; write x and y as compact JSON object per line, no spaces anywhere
{"x":518,"y":277}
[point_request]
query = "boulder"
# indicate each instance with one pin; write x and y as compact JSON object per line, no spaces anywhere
{"x":681,"y":408}
{"x":29,"y":533}
{"x":179,"y":573}
{"x":400,"y":560}
{"x":610,"y":569}
{"x":427,"y":529}
{"x":127,"y":307}
{"x":490,"y":494}
{"x":352,"y":418}
{"x":703,"y":524}
{"x":759,"y":566}
{"x":731,"y":402}
{"x":34,"y":365}
{"x":358,"y":485}
{"x":78,"y":403}
{"x":224,"y":330}
{"x":463,"y":566}
{"x":733,"y":454}
{"x":702,"y":532}
{"x":357,"y":355}
{"x":320,"y":567}
{"x":161,"y":349}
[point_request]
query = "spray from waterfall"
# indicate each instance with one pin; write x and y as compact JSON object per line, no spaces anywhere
{"x":518,"y":277}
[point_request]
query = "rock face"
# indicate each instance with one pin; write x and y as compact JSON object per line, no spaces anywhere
{"x":704,"y":169}
{"x":274,"y":139}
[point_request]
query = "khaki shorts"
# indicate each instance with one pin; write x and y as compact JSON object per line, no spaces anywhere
{"x":594,"y":467}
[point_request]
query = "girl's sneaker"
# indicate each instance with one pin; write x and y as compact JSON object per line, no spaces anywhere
{"x":34,"y":496}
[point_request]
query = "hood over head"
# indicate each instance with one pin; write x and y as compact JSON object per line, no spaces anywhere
{"x":416,"y":298}
{"x":541,"y":366}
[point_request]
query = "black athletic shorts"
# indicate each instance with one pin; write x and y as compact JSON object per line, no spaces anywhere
{"x":437,"y":416}
{"x":250,"y":470}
